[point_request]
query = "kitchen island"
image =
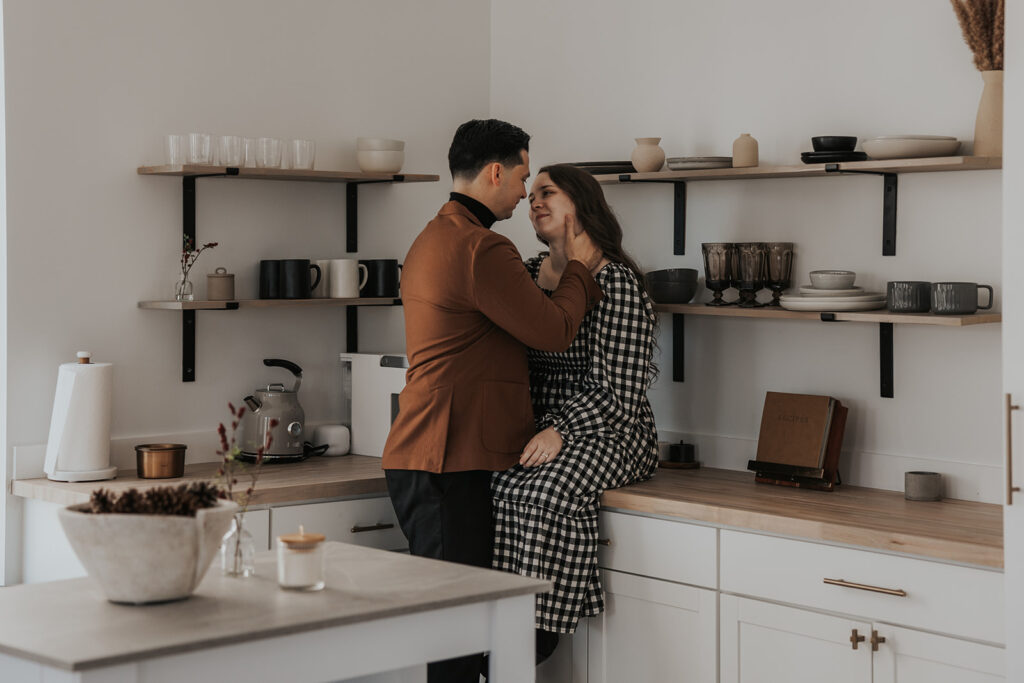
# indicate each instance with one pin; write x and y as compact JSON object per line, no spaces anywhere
{"x":380,"y":611}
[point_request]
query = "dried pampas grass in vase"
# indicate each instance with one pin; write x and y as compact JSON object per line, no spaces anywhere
{"x":982,"y":24}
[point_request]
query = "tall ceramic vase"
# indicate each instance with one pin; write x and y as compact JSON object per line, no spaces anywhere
{"x":988,"y":128}
{"x":647,"y":156}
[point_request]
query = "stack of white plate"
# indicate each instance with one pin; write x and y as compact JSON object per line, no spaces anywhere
{"x":814,"y":299}
{"x":910,"y":146}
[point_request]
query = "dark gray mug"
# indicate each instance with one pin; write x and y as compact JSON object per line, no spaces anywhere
{"x":908,"y":296}
{"x":382,"y":277}
{"x":296,"y":282}
{"x":958,"y":298}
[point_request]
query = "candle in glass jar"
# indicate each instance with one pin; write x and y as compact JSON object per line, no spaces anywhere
{"x":300,"y":561}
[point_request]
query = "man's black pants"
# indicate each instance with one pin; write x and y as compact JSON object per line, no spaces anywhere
{"x":446,"y":516}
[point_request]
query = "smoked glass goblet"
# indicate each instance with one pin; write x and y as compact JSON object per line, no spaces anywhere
{"x":779,"y":268}
{"x":718,"y":258}
{"x":750,"y":276}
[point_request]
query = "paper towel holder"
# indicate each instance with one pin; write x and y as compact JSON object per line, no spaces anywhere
{"x":78,"y":447}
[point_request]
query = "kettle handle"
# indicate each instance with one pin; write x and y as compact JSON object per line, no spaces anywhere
{"x":286,"y":364}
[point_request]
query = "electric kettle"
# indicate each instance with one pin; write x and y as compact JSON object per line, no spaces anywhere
{"x":275,"y":403}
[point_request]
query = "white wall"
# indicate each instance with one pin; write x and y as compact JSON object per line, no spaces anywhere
{"x":91,"y":90}
{"x":585,"y":78}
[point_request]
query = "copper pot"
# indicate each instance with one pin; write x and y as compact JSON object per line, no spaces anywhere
{"x":160,"y":460}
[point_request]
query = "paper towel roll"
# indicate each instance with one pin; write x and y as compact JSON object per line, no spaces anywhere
{"x":78,"y":448}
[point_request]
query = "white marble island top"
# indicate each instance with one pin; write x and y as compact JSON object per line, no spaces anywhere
{"x":70,"y":625}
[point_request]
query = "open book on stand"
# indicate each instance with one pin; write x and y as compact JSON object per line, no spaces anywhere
{"x":800,"y":440}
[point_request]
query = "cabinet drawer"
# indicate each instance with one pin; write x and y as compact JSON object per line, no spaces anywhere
{"x":939,"y":597}
{"x":366,"y":521}
{"x":674,"y":551}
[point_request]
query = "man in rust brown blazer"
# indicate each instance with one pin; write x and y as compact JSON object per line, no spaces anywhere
{"x":471,"y":310}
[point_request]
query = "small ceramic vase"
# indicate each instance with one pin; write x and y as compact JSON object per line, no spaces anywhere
{"x":988,"y":127}
{"x":744,"y":151}
{"x":647,"y":156}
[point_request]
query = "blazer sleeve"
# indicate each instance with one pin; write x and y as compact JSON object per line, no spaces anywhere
{"x":504,"y":292}
{"x":621,"y":344}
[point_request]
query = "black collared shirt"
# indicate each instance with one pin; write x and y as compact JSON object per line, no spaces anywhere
{"x":483,"y":214}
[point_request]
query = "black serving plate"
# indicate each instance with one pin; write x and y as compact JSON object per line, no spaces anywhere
{"x":831,"y":157}
{"x":601,"y":167}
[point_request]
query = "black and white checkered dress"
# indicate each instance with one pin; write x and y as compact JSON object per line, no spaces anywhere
{"x":595,"y":395}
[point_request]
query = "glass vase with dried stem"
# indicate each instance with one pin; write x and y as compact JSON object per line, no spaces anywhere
{"x":183,"y":289}
{"x":238,"y":549}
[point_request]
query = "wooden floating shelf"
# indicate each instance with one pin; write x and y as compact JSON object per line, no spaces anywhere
{"x":260,"y":303}
{"x":929,"y":165}
{"x":287,"y":174}
{"x":879,"y":316}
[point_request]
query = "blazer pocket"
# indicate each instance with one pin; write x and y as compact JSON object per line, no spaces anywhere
{"x":421,"y":426}
{"x":506,"y":416}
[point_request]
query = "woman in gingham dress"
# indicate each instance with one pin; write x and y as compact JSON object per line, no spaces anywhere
{"x":595,"y":426}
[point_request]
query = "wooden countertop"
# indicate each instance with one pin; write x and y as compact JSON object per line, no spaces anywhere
{"x":956,"y":530}
{"x":363,"y":584}
{"x":312,"y":479}
{"x":953,"y":530}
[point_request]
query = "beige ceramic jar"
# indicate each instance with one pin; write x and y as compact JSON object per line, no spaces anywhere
{"x":744,"y":151}
{"x":647,"y":156}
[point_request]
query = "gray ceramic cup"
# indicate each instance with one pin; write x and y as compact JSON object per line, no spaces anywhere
{"x":908,"y":296}
{"x":922,"y":486}
{"x":958,"y":298}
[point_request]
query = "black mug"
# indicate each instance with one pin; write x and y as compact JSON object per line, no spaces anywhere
{"x":382,"y":277}
{"x":270,"y":279}
{"x":295,"y":278}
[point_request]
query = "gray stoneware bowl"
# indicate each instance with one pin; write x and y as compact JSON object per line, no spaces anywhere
{"x":834,"y":143}
{"x":672,"y":285}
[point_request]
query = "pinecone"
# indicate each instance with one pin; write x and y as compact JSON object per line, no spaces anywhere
{"x":131,"y":502}
{"x":205,"y":493}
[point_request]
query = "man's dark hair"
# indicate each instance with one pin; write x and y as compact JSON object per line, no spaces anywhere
{"x":480,"y":142}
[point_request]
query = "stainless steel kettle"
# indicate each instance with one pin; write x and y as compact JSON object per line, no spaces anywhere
{"x":275,"y":403}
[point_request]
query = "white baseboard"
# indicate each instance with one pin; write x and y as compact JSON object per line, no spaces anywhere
{"x":961,"y":480}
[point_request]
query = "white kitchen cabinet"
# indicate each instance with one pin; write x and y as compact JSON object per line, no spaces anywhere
{"x":363,"y":521}
{"x":653,"y":630}
{"x":767,"y":643}
{"x":909,"y":656}
{"x":568,"y":664}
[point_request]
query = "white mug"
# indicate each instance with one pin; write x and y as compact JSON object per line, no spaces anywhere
{"x":323,"y":288}
{"x":348,"y":276}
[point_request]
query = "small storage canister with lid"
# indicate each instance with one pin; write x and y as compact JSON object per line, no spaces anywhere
{"x":300,"y":561}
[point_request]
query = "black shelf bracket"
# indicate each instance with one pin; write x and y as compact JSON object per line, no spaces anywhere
{"x":885,"y":357}
{"x":352,"y":211}
{"x":678,"y":210}
{"x":890,"y":184}
{"x":351,"y":329}
{"x":678,"y":347}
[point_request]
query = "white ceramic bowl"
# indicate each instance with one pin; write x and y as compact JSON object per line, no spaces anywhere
{"x":832,"y":279}
{"x":379,"y":161}
{"x":380,"y":144}
{"x":909,"y":148}
{"x":146,"y":558}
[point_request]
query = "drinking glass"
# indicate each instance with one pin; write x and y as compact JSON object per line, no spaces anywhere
{"x":250,"y":145}
{"x":230,"y":151}
{"x":268,"y":153}
{"x":718,"y":258}
{"x":199,"y":151}
{"x":303,"y":153}
{"x":750,"y":260}
{"x":174,"y":147}
{"x":779,"y":268}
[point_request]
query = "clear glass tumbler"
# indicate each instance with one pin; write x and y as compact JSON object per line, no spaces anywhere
{"x":174,"y":149}
{"x":303,"y":153}
{"x":199,"y":150}
{"x":230,"y":151}
{"x":268,"y":153}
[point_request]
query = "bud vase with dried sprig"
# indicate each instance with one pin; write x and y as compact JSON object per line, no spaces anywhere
{"x":982,"y":24}
{"x":238,"y":549}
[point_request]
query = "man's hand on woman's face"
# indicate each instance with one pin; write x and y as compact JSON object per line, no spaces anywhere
{"x":542,"y":448}
{"x":579,"y":246}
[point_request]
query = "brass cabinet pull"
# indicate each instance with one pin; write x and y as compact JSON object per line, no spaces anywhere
{"x":854,"y":638}
{"x":604,"y":541}
{"x":1010,"y":488}
{"x":864,"y":587}
{"x":373,"y":527}
{"x":875,"y":640}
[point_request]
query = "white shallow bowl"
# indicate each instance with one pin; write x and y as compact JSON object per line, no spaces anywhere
{"x":908,"y":148}
{"x":832,"y":279}
{"x":809,"y":290}
{"x":379,"y":161}
{"x":914,"y":137}
{"x":380,"y":144}
{"x":139,"y":559}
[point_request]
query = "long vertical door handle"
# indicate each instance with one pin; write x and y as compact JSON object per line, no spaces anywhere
{"x":1010,"y":488}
